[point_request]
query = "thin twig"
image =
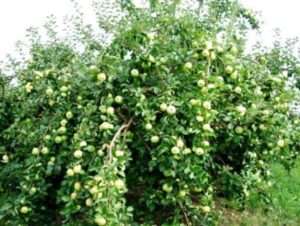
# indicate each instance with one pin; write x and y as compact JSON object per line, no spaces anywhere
{"x":116,"y":136}
{"x":187,"y":221}
{"x":208,"y":67}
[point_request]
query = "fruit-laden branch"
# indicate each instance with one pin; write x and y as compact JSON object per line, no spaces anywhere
{"x":116,"y":136}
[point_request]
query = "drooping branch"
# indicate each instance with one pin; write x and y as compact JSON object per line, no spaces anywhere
{"x":116,"y":136}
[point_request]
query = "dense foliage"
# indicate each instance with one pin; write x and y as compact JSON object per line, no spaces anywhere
{"x":150,"y":130}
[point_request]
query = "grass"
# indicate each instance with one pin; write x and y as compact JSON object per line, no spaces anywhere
{"x":283,"y":208}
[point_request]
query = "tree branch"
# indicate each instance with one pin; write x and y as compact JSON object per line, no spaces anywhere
{"x":116,"y":136}
{"x":187,"y":221}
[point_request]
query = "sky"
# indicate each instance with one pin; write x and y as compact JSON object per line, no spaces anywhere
{"x":17,"y":15}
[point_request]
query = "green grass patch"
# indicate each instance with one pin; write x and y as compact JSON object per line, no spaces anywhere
{"x":281,"y":207}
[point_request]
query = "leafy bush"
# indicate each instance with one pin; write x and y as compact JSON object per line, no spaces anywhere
{"x":279,"y":207}
{"x":150,"y":130}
